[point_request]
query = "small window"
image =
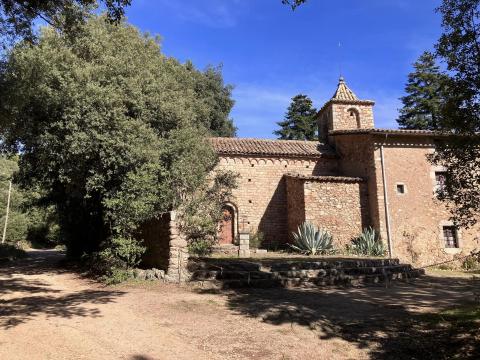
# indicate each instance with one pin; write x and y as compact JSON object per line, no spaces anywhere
{"x":450,"y":236}
{"x":440,"y":179}
{"x":400,"y":189}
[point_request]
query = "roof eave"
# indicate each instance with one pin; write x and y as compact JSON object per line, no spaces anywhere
{"x":279,"y":155}
{"x":344,"y":102}
{"x":393,"y":132}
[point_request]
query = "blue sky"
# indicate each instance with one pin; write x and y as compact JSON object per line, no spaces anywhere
{"x":270,"y":53}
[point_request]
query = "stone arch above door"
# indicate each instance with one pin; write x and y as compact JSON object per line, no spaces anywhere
{"x":227,"y":229}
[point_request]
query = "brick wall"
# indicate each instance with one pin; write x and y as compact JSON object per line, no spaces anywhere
{"x":261,"y":197}
{"x":337,"y":204}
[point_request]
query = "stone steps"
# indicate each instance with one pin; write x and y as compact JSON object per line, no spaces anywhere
{"x":234,"y":274}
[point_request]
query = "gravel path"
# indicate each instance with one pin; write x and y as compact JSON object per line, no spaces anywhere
{"x":47,"y":312}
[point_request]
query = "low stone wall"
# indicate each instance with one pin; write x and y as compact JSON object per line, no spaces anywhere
{"x":338,"y":204}
{"x":166,"y":248}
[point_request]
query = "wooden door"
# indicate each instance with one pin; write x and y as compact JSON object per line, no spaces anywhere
{"x":226,"y":233}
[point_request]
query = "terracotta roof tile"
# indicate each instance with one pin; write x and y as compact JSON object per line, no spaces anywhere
{"x":344,"y":95}
{"x":292,"y":148}
{"x":343,"y":92}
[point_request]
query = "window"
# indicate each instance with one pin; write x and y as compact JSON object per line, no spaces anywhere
{"x":450,"y":237}
{"x":354,"y":115}
{"x":400,"y":189}
{"x":440,"y":178}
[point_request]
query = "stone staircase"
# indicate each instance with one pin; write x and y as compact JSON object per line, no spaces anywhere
{"x":229,"y":249}
{"x":236,"y":273}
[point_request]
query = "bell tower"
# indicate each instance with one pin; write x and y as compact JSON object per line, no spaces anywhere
{"x":344,"y":111}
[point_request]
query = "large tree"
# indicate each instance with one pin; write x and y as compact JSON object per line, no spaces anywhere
{"x":299,"y":122}
{"x":459,"y":47}
{"x":18,"y":17}
{"x":425,"y":86}
{"x":112,"y":130}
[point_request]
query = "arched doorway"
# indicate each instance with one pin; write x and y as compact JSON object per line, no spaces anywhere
{"x":226,"y":231}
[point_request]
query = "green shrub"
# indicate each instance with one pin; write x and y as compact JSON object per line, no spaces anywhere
{"x":256,"y":240}
{"x":471,"y":263}
{"x":117,"y":276}
{"x":11,"y":252}
{"x":312,"y":241}
{"x":368,"y":243}
{"x":200,"y":247}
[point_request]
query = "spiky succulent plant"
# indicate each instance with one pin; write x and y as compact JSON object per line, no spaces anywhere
{"x":312,"y":241}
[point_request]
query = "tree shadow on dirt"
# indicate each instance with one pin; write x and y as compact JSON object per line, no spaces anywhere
{"x":23,"y":299}
{"x":38,"y":262}
{"x":400,"y":322}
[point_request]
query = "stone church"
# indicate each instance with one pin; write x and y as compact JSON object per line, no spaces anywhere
{"x":353,"y":177}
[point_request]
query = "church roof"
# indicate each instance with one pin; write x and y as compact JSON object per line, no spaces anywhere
{"x":287,"y":148}
{"x":344,"y":95}
{"x":343,"y":92}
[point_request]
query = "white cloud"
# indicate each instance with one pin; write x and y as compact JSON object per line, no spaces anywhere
{"x":211,"y":13}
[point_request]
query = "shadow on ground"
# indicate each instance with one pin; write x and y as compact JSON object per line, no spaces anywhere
{"x":24,"y":297}
{"x":400,"y":322}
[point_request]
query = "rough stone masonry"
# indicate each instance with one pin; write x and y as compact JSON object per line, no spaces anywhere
{"x":338,"y":184}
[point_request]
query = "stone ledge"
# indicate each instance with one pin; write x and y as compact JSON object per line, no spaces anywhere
{"x":344,"y":179}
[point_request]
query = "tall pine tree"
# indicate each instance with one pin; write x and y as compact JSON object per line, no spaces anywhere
{"x":421,"y":105}
{"x":299,"y":122}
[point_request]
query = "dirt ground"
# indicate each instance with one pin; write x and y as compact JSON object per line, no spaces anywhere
{"x":48,"y":312}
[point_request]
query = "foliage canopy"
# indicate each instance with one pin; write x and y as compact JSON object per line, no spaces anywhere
{"x":459,"y":48}
{"x":425,"y":88}
{"x":18,"y":17}
{"x":111,"y":129}
{"x":299,"y":122}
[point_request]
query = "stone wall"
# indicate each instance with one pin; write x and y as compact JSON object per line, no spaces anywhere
{"x":343,"y":116}
{"x":356,"y":154}
{"x":417,"y":217}
{"x":338,"y":204}
{"x":261,"y":197}
{"x":295,"y":203}
{"x":166,"y":247}
{"x":343,"y":120}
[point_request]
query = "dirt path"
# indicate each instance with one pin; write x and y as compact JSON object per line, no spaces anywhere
{"x":50,"y":313}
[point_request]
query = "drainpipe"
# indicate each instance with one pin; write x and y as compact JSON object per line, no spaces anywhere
{"x":385,"y":199}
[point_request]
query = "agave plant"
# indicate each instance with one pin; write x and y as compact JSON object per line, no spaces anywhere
{"x":312,"y":241}
{"x":368,"y":243}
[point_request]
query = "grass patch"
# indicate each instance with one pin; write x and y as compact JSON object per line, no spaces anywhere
{"x":464,"y":316}
{"x":453,"y":273}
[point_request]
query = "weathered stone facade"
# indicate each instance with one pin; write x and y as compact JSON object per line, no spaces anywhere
{"x":338,"y":183}
{"x":166,"y":248}
{"x":337,"y":204}
{"x":261,"y":197}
